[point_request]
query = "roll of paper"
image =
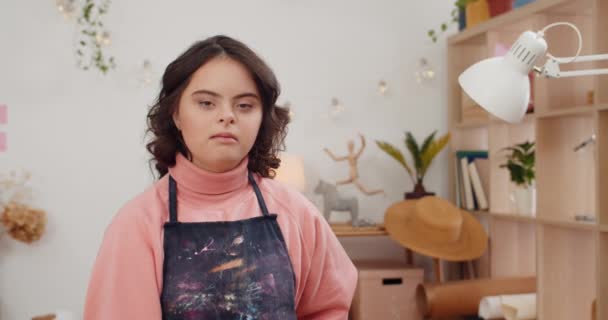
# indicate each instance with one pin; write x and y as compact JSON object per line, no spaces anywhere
{"x":462,"y":298}
{"x":509,"y":307}
{"x":490,"y":308}
{"x":519,"y":306}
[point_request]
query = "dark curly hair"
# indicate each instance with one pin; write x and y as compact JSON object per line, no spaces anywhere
{"x":167,"y":140}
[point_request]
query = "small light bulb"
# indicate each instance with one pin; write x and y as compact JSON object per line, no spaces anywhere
{"x":66,"y":7}
{"x":103,"y":38}
{"x":336,"y":108}
{"x":425,"y":71}
{"x":146,"y":73}
{"x":382,"y":87}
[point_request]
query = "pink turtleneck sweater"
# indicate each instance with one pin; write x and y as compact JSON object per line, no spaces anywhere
{"x":127,"y":278}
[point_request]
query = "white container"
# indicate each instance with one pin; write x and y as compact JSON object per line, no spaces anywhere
{"x":524,"y":199}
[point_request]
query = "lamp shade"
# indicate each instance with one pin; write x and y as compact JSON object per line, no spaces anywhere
{"x":291,"y":171}
{"x":501,"y":84}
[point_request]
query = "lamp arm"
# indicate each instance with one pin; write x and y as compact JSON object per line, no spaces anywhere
{"x":578,"y":34}
{"x":551,"y":68}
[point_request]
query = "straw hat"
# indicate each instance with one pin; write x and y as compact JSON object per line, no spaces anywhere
{"x":436,"y":228}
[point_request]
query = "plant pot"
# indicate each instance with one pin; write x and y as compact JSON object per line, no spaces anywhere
{"x":477,"y":12}
{"x":524,"y":199}
{"x":417,"y":195}
{"x":418,"y":192}
{"x":498,"y":7}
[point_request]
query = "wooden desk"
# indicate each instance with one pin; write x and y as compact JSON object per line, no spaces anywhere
{"x":347,"y":230}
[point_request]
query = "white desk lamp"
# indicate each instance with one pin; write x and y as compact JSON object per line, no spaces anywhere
{"x":501,"y":85}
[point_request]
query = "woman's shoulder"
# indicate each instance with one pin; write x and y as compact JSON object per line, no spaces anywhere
{"x":288,"y":199}
{"x":145,"y":207}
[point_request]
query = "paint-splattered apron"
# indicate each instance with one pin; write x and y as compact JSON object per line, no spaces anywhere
{"x":227,"y":269}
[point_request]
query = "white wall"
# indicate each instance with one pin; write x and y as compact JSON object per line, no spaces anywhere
{"x":80,"y":133}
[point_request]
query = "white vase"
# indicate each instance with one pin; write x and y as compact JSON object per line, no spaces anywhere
{"x":524,"y":199}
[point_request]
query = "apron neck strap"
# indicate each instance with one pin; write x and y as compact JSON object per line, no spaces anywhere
{"x":172,"y":200}
{"x":258,"y":194}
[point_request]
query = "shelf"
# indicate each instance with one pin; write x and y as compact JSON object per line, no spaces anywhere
{"x":566,"y":224}
{"x":347,"y":230}
{"x":530,"y":117}
{"x":486,"y":122}
{"x":514,"y":217}
{"x":483,"y":213}
{"x":574,"y":111}
{"x":504,"y":216}
{"x":472,"y":124}
{"x":513,"y":17}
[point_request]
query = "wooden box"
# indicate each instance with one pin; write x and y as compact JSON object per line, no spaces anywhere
{"x":386,"y":290}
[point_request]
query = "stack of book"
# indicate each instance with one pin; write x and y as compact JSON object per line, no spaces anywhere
{"x":473,"y":177}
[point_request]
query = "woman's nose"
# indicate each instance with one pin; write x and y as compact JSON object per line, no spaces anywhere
{"x":227,"y":115}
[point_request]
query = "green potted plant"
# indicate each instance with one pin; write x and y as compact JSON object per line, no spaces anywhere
{"x":457,"y":15}
{"x":520,"y":163}
{"x":467,"y":18}
{"x":422,"y":157}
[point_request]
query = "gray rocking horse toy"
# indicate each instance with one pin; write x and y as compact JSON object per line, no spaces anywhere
{"x":332,"y":201}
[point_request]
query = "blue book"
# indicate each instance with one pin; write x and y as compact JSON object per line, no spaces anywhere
{"x":472,"y":154}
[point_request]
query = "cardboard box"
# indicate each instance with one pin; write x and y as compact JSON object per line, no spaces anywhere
{"x":386,"y":290}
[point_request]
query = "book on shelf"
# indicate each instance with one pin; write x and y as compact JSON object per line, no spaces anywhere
{"x":478,"y":189}
{"x":472,"y":170}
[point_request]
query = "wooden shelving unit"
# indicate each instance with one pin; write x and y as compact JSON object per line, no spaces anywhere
{"x":568,"y":257}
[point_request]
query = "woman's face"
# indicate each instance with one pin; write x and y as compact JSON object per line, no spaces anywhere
{"x":219,"y":114}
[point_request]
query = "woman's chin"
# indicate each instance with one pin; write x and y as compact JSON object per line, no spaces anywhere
{"x":220,"y":163}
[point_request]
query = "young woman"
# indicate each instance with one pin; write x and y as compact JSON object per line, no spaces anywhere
{"x":215,"y":237}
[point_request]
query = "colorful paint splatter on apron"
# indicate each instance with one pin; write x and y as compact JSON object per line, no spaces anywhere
{"x":226,"y":269}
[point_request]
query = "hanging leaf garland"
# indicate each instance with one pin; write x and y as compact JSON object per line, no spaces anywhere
{"x":92,"y":37}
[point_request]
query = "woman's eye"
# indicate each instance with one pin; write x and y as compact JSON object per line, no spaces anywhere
{"x":245,"y":106}
{"x":205,"y":103}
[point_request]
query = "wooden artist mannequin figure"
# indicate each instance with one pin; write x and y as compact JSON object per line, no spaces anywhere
{"x":352,"y":158}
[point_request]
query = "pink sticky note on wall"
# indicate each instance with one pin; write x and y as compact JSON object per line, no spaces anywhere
{"x":2,"y":141}
{"x":3,"y":114}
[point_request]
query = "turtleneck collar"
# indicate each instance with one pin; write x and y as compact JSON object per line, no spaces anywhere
{"x":203,"y":182}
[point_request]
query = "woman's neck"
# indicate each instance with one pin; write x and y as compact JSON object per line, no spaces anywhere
{"x":207,"y":182}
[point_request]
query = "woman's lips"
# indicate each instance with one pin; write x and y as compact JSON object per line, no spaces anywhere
{"x":224,"y":138}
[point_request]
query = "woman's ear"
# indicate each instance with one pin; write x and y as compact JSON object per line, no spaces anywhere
{"x":176,"y":121}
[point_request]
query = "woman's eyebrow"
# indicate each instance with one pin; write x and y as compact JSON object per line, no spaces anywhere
{"x":203,"y":91}
{"x":215,"y":94}
{"x":246,"y":94}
